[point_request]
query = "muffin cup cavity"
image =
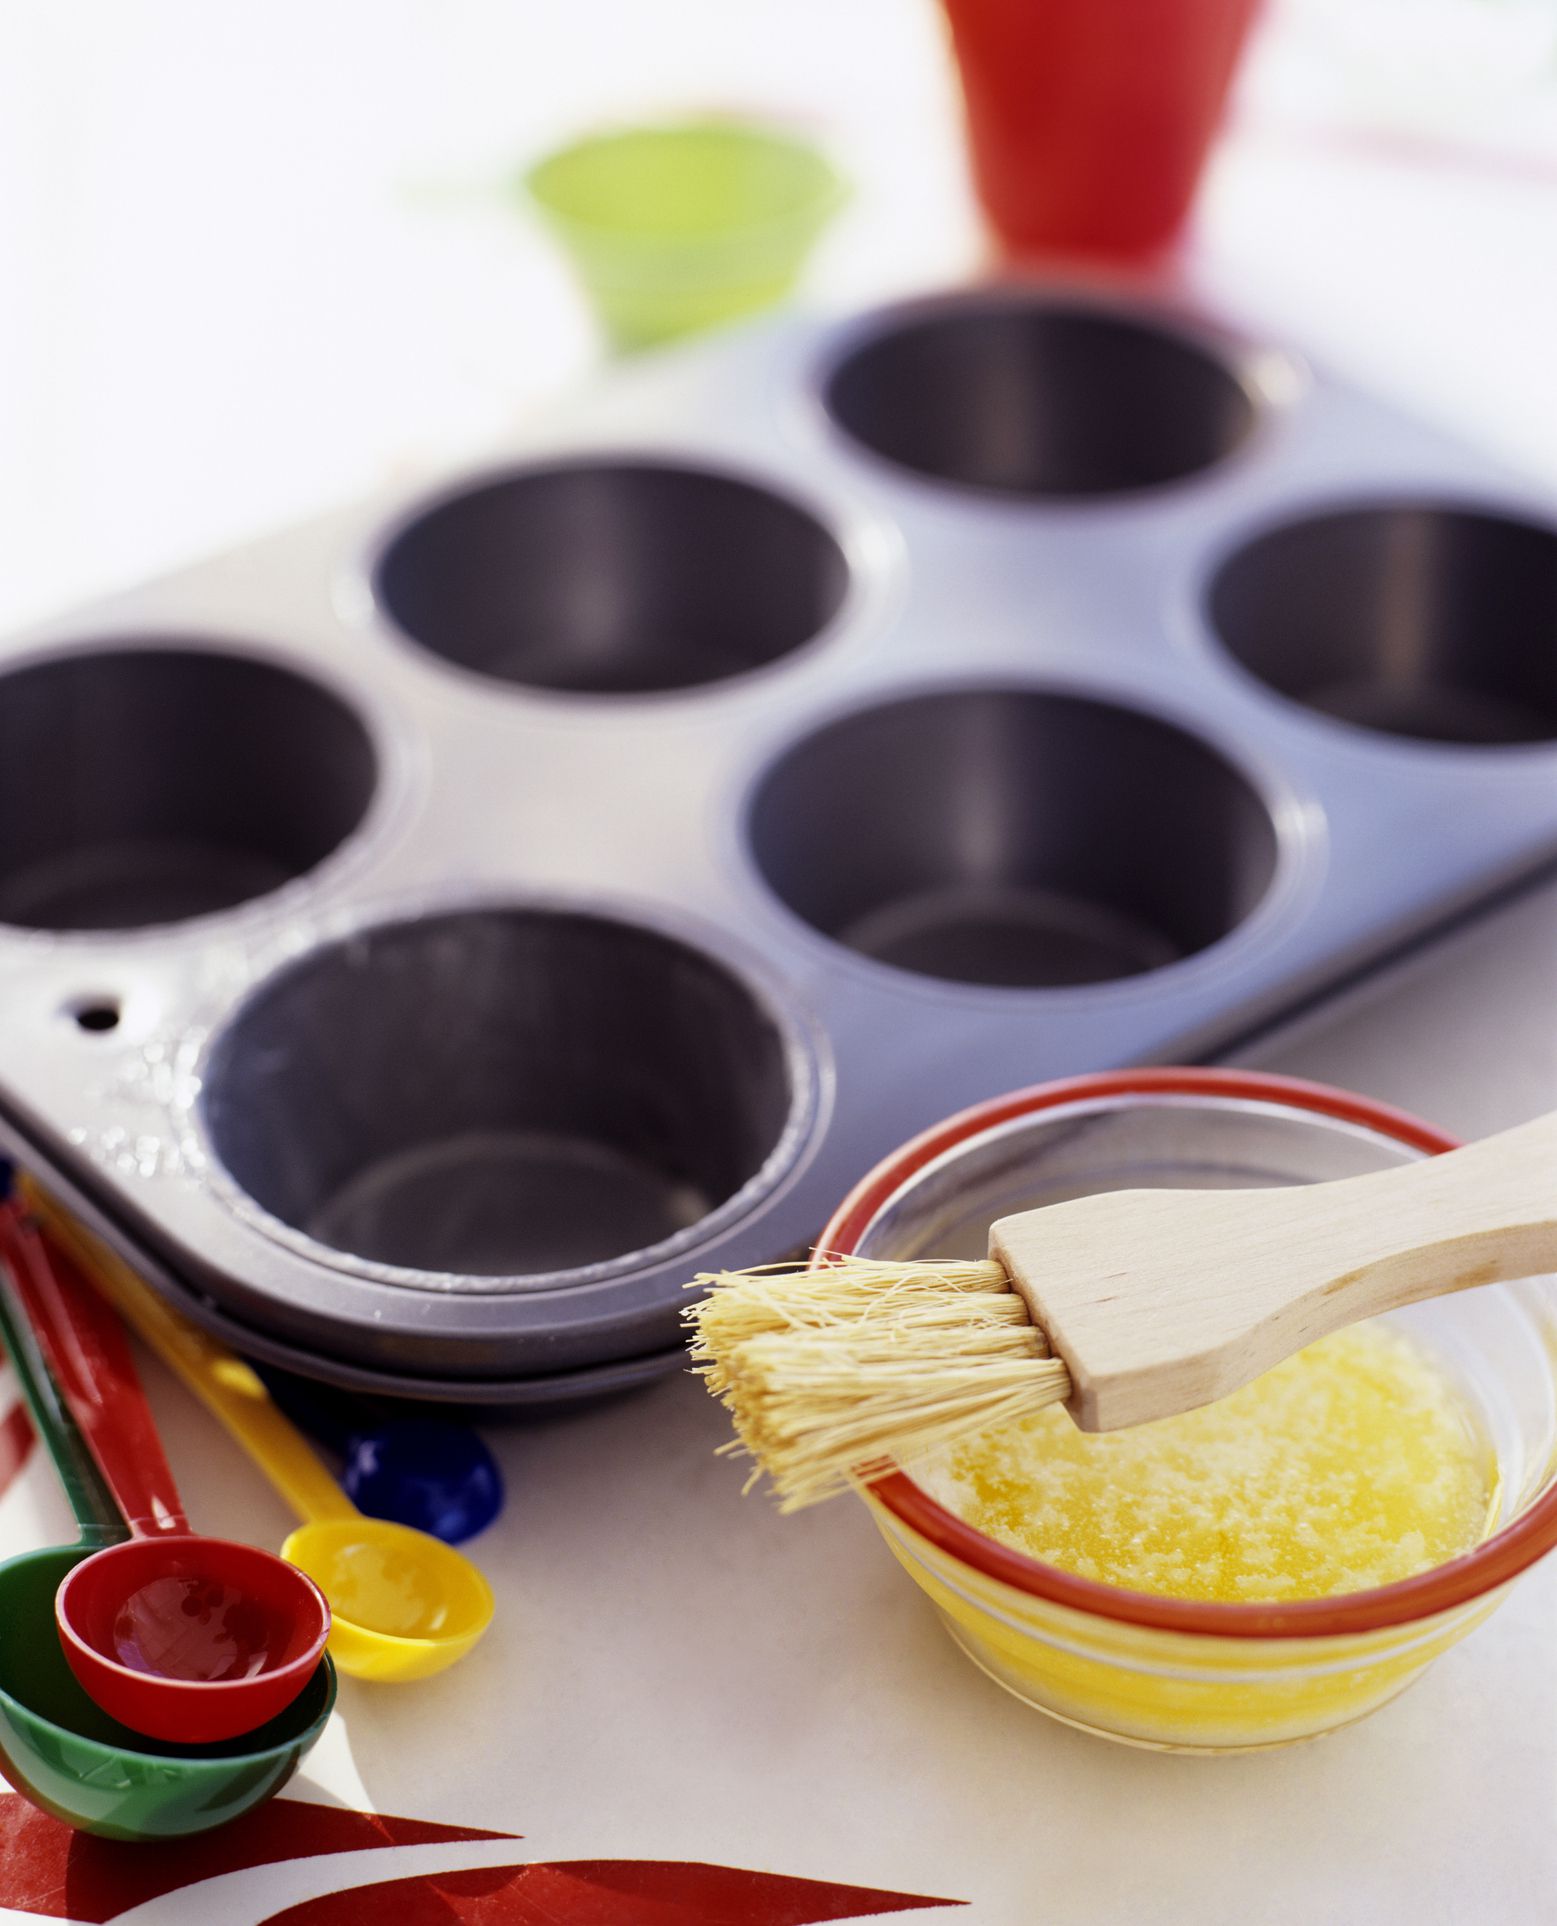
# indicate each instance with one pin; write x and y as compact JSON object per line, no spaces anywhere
{"x":1012,"y":837}
{"x":1409,"y":619}
{"x":506,"y":1092}
{"x":147,"y":785}
{"x":1039,"y":399}
{"x":613,"y":578}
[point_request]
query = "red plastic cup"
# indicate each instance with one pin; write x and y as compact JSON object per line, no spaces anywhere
{"x":1089,"y":120}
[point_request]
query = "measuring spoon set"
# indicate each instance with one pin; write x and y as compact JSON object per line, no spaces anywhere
{"x":154,"y":1680}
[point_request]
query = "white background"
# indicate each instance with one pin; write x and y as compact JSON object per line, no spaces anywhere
{"x":254,"y":259}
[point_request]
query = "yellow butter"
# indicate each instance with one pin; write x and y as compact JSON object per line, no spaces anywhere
{"x":1350,"y":1465}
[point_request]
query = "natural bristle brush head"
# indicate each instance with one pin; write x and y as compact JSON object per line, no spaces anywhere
{"x":829,"y":1370}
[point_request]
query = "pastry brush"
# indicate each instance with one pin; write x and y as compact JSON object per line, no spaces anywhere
{"x":1125,"y":1306}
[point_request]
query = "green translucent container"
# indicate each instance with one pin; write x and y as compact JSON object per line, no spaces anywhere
{"x":679,"y":228}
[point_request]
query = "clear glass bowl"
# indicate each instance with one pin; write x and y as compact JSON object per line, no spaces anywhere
{"x":1171,"y":1673}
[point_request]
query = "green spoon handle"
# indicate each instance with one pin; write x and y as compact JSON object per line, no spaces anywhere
{"x":95,"y":1511}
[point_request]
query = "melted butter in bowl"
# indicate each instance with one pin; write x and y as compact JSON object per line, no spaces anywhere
{"x":1352,"y":1464}
{"x":1278,"y":1564}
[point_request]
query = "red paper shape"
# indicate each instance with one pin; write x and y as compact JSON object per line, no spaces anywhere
{"x":601,"y":1892}
{"x":16,"y":1442}
{"x":48,"y":1869}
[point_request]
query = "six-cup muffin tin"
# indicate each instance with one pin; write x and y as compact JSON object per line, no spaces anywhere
{"x":431,"y":935}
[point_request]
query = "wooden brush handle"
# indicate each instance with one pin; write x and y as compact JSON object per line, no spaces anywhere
{"x":1158,"y":1301}
{"x":1486,"y":1214}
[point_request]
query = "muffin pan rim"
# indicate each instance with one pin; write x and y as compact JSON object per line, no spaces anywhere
{"x":515,"y":1391}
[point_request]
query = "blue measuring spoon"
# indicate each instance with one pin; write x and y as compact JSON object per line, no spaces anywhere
{"x":428,"y":1473}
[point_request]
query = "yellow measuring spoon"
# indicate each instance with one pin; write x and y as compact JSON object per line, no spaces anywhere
{"x":404,"y":1604}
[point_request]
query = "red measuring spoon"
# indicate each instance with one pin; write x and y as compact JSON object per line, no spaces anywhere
{"x":176,"y":1635}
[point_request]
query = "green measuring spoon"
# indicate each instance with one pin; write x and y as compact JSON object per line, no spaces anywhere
{"x":56,"y":1746}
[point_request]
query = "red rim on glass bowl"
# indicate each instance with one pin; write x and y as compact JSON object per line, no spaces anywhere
{"x":1491,"y":1564}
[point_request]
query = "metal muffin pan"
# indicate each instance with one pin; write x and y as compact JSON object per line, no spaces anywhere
{"x":434,"y":933}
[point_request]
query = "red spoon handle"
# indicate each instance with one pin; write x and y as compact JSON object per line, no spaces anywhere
{"x":85,"y":1348}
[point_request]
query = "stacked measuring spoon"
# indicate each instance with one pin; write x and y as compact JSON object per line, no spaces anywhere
{"x":57,"y":1745}
{"x":145,"y":1643}
{"x":178,"y":1636}
{"x":404,"y":1604}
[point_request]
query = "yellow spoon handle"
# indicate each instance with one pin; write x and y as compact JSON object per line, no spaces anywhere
{"x":227,"y":1386}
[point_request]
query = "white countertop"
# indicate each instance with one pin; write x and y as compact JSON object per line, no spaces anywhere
{"x":223,"y":310}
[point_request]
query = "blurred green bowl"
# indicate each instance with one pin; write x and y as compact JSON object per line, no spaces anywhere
{"x":678,"y":228}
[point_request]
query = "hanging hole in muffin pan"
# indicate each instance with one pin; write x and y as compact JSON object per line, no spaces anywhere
{"x":96,"y":1015}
